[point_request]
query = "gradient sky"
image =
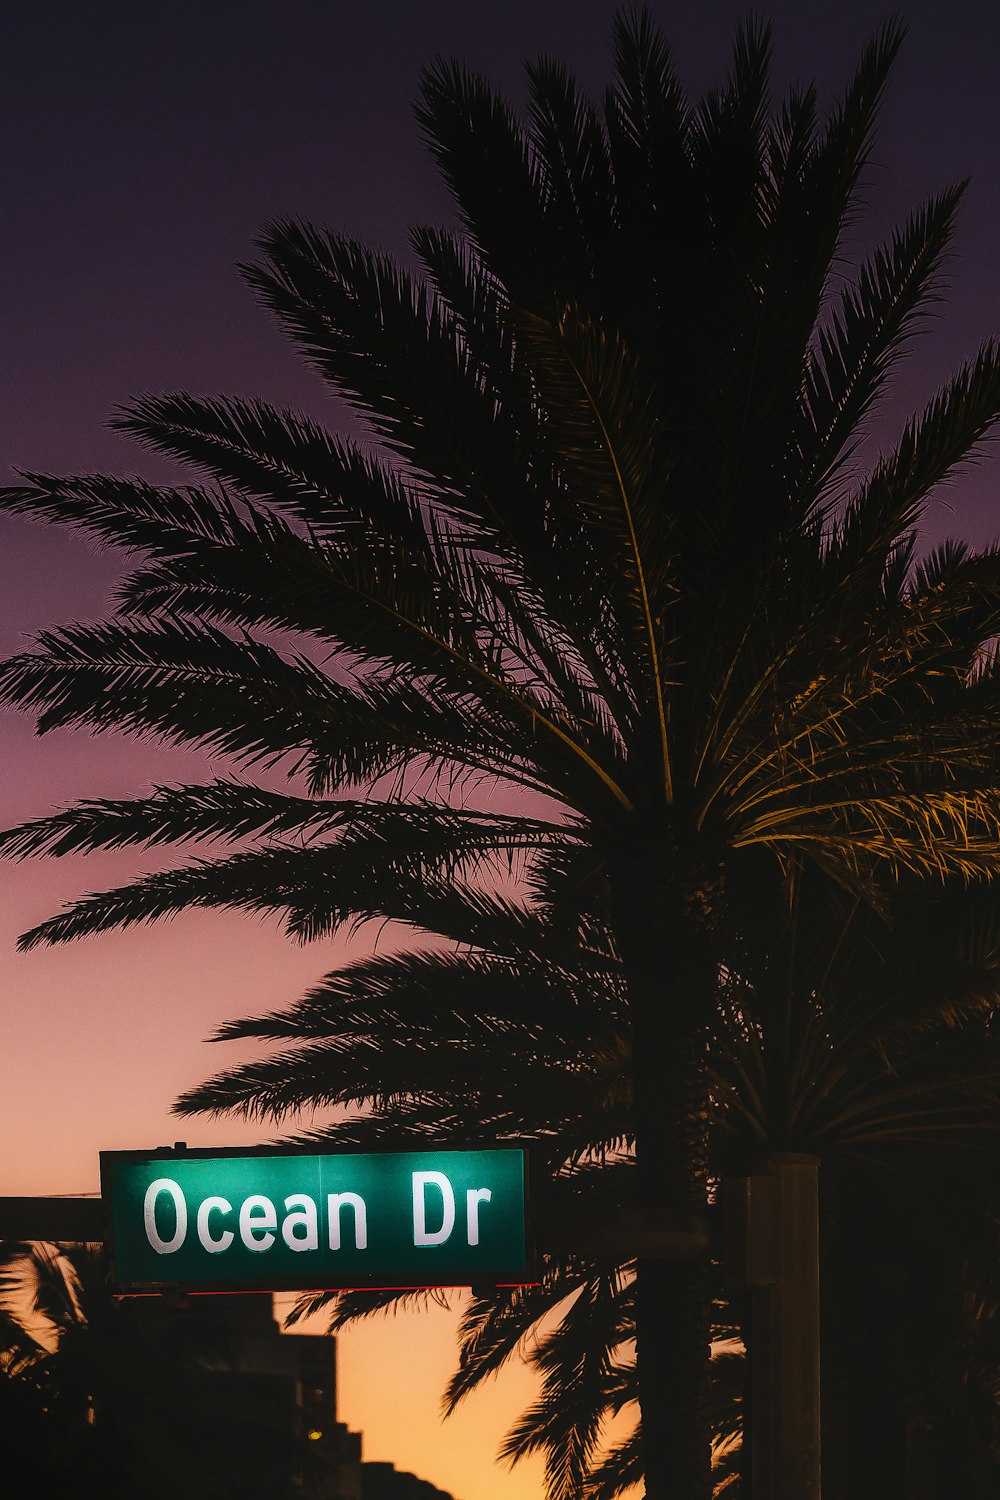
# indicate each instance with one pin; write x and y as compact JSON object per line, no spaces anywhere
{"x":144,"y":145}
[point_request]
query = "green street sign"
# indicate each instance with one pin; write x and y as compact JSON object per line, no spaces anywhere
{"x":275,"y":1219}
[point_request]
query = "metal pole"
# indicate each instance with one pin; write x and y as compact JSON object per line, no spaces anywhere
{"x":77,"y":1220}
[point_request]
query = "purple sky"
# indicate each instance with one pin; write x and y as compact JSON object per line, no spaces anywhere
{"x":144,"y":145}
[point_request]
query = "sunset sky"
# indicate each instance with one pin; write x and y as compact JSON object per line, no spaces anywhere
{"x":145,"y":144}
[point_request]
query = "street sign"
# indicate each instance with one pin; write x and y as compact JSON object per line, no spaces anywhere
{"x":284,"y":1219}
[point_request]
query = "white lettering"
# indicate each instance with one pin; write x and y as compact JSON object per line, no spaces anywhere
{"x":212,"y":1243}
{"x":334,"y":1203}
{"x":473,"y":1198}
{"x":257,"y":1217}
{"x":300,"y":1231}
{"x":159,"y":1244}
{"x":421,"y":1234}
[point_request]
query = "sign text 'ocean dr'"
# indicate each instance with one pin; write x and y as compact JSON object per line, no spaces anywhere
{"x":282,"y":1219}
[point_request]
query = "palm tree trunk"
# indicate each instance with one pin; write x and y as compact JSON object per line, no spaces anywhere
{"x":673,"y":1297}
{"x":671,"y":970}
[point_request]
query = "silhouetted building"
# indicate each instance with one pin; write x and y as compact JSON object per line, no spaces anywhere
{"x":382,"y":1481}
{"x":259,"y":1414}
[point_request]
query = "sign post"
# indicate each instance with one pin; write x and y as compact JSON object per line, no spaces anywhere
{"x":279,"y":1219}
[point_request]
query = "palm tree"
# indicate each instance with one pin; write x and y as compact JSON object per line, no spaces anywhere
{"x":608,"y":550}
{"x":912,"y":1347}
{"x":74,"y":1390}
{"x":867,"y":1038}
{"x":517,"y":1028}
{"x":873,"y":1046}
{"x":25,"y":1428}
